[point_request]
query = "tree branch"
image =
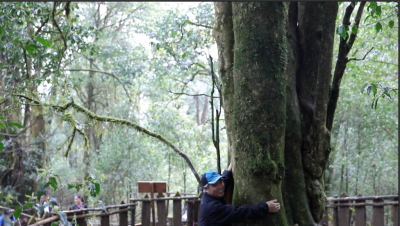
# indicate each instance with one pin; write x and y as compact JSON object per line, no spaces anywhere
{"x":215,"y":132}
{"x":362,"y":58}
{"x":107,"y":73}
{"x":342,"y":60}
{"x":128,"y":123}
{"x":58,"y":28}
{"x":193,"y":95}
{"x":199,"y":25}
{"x":356,"y":23}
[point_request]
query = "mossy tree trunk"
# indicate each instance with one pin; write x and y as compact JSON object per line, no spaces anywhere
{"x":275,"y":62}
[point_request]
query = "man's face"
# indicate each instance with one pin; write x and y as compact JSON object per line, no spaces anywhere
{"x":216,"y":190}
{"x":44,"y":198}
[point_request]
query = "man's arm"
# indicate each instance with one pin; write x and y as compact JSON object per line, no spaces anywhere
{"x":223,"y":214}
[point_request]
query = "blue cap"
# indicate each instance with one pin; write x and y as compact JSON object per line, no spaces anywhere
{"x":210,"y":177}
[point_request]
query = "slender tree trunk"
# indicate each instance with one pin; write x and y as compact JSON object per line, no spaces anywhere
{"x":204,"y":113}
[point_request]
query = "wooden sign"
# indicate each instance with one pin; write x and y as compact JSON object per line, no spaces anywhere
{"x":152,"y":187}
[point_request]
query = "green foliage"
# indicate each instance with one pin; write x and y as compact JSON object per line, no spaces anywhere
{"x":364,"y":140}
{"x":147,"y":57}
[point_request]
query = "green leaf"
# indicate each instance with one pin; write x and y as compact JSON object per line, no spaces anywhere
{"x":391,"y":24}
{"x":16,"y":124}
{"x":18,"y":211}
{"x":97,"y":188}
{"x":378,"y":10}
{"x":29,"y":204}
{"x":373,"y":11}
{"x":70,"y":186}
{"x":2,"y":118}
{"x":53,"y":183}
{"x":92,"y":189}
{"x":78,"y":187}
{"x":386,"y":95}
{"x":31,"y":49}
{"x":43,"y":41}
{"x":2,"y":125}
{"x":369,"y":89}
{"x":1,"y":30}
{"x":339,"y":3}
{"x":378,"y":27}
{"x":374,"y":89}
{"x":376,"y":102}
{"x":1,"y":146}
{"x":41,"y":190}
{"x":354,"y":30}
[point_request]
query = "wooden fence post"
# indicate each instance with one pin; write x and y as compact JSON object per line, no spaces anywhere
{"x":105,"y":220}
{"x":335,"y":213}
{"x":133,"y":212}
{"x":123,"y":216}
{"x":196,"y":211}
{"x":344,"y":212}
{"x":161,"y":209}
{"x":360,"y":213}
{"x":146,"y":212}
{"x":395,"y":213}
{"x":177,"y":207}
{"x":377,"y":213}
{"x":189,"y":221}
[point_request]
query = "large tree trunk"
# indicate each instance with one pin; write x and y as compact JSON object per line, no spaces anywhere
{"x":275,"y":66}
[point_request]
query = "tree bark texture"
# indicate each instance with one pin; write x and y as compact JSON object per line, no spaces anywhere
{"x":275,"y":62}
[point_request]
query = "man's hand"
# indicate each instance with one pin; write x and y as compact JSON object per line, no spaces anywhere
{"x":273,"y":206}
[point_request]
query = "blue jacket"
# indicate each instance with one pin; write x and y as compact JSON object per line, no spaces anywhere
{"x":215,"y":212}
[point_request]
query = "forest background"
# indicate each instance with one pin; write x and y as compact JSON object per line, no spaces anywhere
{"x":151,"y":64}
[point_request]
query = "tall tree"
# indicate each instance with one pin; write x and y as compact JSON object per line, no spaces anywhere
{"x":279,"y":106}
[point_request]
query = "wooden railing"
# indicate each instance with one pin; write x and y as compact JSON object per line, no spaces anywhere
{"x":193,"y":209}
{"x":80,"y":216}
{"x":346,"y":211}
{"x":339,"y":211}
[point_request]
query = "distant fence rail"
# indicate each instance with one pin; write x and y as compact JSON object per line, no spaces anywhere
{"x":339,"y":211}
{"x":345,"y":211}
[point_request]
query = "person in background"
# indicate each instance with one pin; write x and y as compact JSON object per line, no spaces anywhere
{"x":79,"y":203}
{"x":7,"y":218}
{"x":48,"y":202}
